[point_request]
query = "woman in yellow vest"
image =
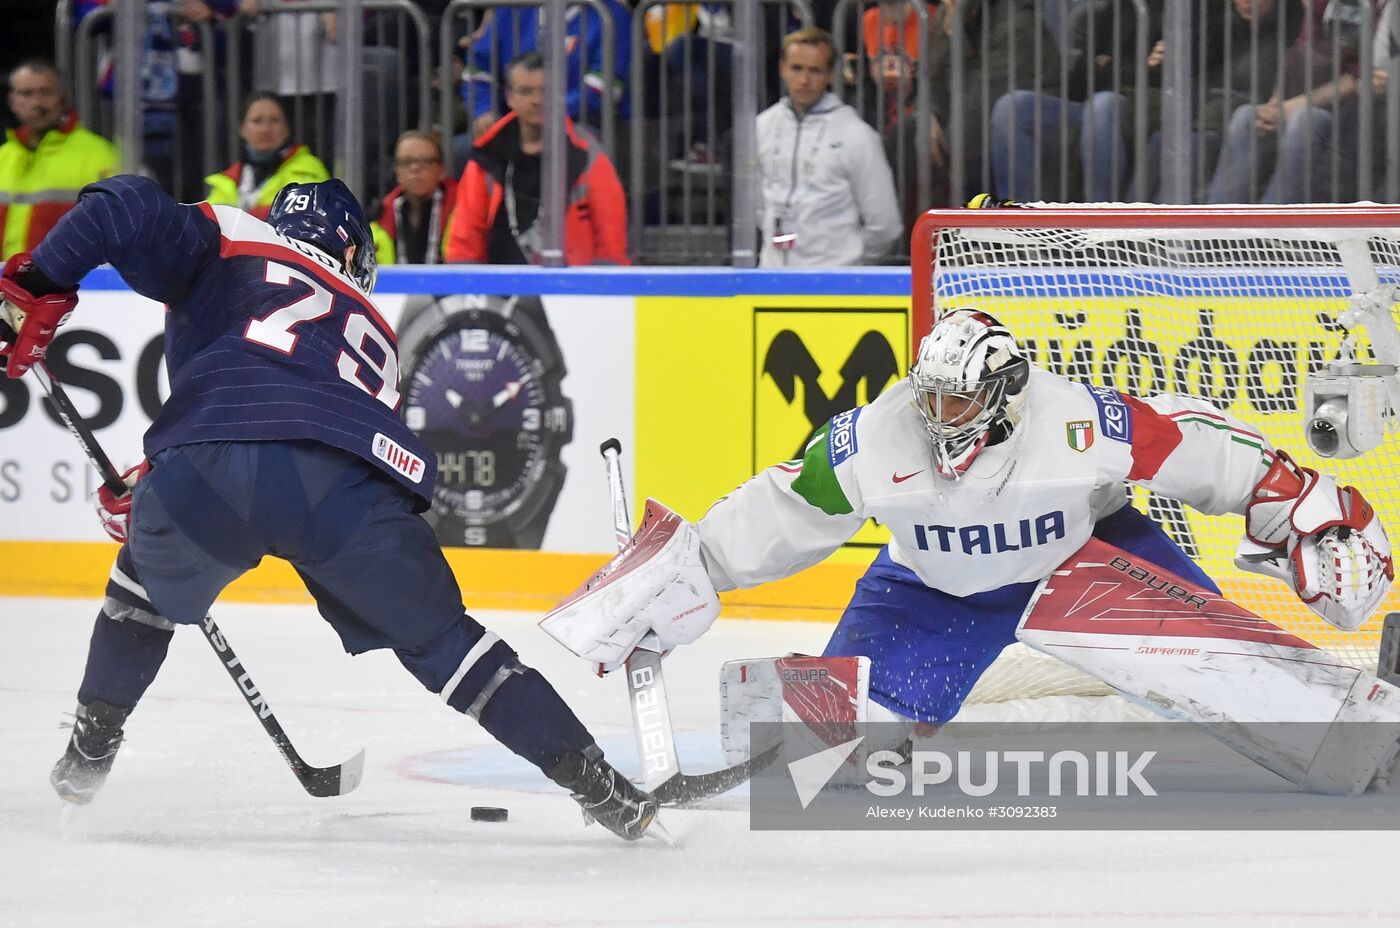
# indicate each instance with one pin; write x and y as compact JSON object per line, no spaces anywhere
{"x":270,"y":159}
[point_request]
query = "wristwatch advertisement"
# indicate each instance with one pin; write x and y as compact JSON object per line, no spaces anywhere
{"x":482,"y":387}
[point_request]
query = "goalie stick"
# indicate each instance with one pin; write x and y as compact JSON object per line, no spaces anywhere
{"x":318,"y":781}
{"x":646,"y":693}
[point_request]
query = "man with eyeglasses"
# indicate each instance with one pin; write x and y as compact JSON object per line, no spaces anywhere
{"x":414,"y":215}
{"x":496,"y":220}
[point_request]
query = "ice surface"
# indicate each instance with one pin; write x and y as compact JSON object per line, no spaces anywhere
{"x":202,"y":824}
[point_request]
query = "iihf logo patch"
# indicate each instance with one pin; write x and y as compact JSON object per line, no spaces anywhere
{"x":399,"y":458}
{"x":1079,"y":434}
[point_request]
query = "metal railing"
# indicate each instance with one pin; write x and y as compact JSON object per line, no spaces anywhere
{"x":1022,"y":134}
{"x":920,"y":83}
{"x":471,"y":10}
{"x":1019,"y":99}
{"x":682,"y":210}
{"x":122,"y":116}
{"x":312,"y":91}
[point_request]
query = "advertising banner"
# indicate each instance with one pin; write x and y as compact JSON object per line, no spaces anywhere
{"x":513,"y":394}
{"x":109,"y":358}
{"x":729,"y":386}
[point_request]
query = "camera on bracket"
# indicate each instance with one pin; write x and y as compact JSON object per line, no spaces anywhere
{"x":1347,"y":407}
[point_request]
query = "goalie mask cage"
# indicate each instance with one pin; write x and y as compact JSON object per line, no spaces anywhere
{"x":1233,"y":304}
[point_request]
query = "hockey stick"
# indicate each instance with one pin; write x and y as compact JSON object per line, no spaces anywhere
{"x":318,"y":781}
{"x":646,"y":693}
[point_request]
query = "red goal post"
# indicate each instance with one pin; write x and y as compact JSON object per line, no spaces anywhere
{"x":1235,"y":303}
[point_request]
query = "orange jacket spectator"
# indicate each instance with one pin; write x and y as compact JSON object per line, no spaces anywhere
{"x":883,"y":24}
{"x":595,"y":224}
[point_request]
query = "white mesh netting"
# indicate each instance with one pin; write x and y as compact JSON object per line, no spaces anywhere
{"x":1239,"y":316}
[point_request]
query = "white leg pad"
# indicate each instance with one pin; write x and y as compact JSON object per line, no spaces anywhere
{"x":827,"y":695}
{"x":1194,"y":656}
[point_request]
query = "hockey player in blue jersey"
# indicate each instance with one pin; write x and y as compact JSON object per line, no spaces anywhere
{"x":280,"y":438}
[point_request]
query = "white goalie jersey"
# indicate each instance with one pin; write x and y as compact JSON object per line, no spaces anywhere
{"x":1022,"y":507}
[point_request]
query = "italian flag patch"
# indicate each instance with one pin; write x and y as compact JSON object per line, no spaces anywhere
{"x":1079,"y":434}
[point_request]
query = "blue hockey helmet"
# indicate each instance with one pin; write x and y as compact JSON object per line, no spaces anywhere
{"x":327,"y":215}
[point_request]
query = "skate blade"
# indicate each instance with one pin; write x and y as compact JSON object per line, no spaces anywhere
{"x":659,"y":832}
{"x":68,"y":819}
{"x":73,"y":796}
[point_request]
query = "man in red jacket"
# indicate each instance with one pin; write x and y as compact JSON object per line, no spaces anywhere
{"x":498,"y":199}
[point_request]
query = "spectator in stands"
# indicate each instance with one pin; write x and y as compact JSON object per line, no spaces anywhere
{"x":888,"y":98}
{"x":511,"y":32}
{"x":270,"y":160}
{"x":1297,"y":125}
{"x":413,"y":221}
{"x":828,"y":194}
{"x":1235,"y":47}
{"x":498,"y":199}
{"x":297,"y":56}
{"x":172,"y":101}
{"x":46,"y":159}
{"x":694,"y":43}
{"x":1010,"y":31}
{"x":1255,"y":33}
{"x":1093,"y":110}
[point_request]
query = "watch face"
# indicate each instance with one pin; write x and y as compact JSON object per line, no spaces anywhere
{"x":482,"y":400}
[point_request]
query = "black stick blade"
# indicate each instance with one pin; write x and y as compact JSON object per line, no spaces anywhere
{"x":683,"y":789}
{"x":323,"y":782}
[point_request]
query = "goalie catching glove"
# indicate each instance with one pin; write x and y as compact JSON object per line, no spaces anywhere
{"x":657,"y":583}
{"x":1324,"y":540}
{"x":31,"y":313}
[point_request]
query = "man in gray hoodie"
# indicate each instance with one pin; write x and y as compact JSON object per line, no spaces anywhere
{"x":828,"y":192}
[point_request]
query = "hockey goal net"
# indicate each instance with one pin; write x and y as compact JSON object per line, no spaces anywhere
{"x":1233,"y":304}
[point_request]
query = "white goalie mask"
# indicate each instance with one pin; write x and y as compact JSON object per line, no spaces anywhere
{"x":969,"y":381}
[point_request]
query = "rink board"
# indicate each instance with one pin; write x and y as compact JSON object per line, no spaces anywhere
{"x":664,"y":360}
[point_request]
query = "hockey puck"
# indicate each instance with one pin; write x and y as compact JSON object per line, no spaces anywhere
{"x":488,"y":814}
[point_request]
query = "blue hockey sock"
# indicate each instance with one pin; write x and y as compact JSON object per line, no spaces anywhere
{"x":478,"y":674}
{"x":529,"y":717}
{"x":123,"y":659}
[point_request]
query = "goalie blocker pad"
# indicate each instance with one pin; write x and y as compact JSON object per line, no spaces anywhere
{"x":657,"y":583}
{"x":1192,"y":655}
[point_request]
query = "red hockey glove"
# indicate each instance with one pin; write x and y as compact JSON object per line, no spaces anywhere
{"x":115,"y":511}
{"x":33,"y":320}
